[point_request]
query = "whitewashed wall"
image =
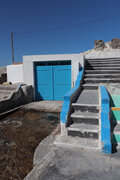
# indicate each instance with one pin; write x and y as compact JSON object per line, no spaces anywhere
{"x":15,"y":73}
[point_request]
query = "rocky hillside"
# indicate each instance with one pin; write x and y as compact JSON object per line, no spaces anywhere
{"x":113,"y":44}
{"x":101,"y":46}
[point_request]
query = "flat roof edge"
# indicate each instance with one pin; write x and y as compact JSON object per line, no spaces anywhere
{"x":53,"y":55}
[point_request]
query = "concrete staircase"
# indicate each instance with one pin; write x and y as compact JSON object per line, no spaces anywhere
{"x":102,"y":71}
{"x":86,"y":116}
{"x":84,"y":121}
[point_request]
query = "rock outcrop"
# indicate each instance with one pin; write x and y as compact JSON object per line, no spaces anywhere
{"x":115,"y":43}
{"x":3,"y":75}
{"x":99,"y":45}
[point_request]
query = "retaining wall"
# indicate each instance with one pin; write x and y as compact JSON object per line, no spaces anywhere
{"x":22,"y":95}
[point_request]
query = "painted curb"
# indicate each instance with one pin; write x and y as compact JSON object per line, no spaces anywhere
{"x":68,"y":98}
{"x":105,"y":122}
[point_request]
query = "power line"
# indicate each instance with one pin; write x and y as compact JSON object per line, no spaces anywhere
{"x":71,"y":26}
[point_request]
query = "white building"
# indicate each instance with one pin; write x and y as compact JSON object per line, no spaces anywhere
{"x":51,"y":75}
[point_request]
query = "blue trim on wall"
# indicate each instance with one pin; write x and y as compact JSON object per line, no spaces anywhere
{"x":105,"y":122}
{"x":67,"y":98}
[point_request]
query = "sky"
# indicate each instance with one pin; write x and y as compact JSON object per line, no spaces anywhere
{"x":55,"y":26}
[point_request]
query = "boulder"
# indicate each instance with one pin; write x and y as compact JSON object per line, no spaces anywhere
{"x":3,"y":75}
{"x":6,"y":83}
{"x":99,"y":45}
{"x":115,"y":43}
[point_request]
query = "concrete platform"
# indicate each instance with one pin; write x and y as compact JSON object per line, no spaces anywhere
{"x":79,"y":143}
{"x":46,"y":106}
{"x":73,"y":163}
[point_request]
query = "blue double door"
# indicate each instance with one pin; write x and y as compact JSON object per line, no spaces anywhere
{"x":52,"y":82}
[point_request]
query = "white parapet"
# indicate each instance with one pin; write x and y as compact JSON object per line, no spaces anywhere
{"x":63,"y":129}
{"x":15,"y":73}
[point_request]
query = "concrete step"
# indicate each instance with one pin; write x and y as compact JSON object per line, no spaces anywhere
{"x":85,"y":117}
{"x":85,"y":107}
{"x":103,"y":59}
{"x":115,"y":137}
{"x":102,"y":75}
{"x":105,"y":80}
{"x":102,"y":71}
{"x":115,"y":111}
{"x":103,"y":65}
{"x":88,"y":86}
{"x":102,"y":68}
{"x":117,"y":129}
{"x":102,"y":62}
{"x":77,"y":142}
{"x":83,"y":131}
{"x":88,"y":97}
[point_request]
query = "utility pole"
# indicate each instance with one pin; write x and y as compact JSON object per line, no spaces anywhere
{"x":12,"y":47}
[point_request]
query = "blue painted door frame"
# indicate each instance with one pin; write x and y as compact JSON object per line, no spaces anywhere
{"x":52,"y":82}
